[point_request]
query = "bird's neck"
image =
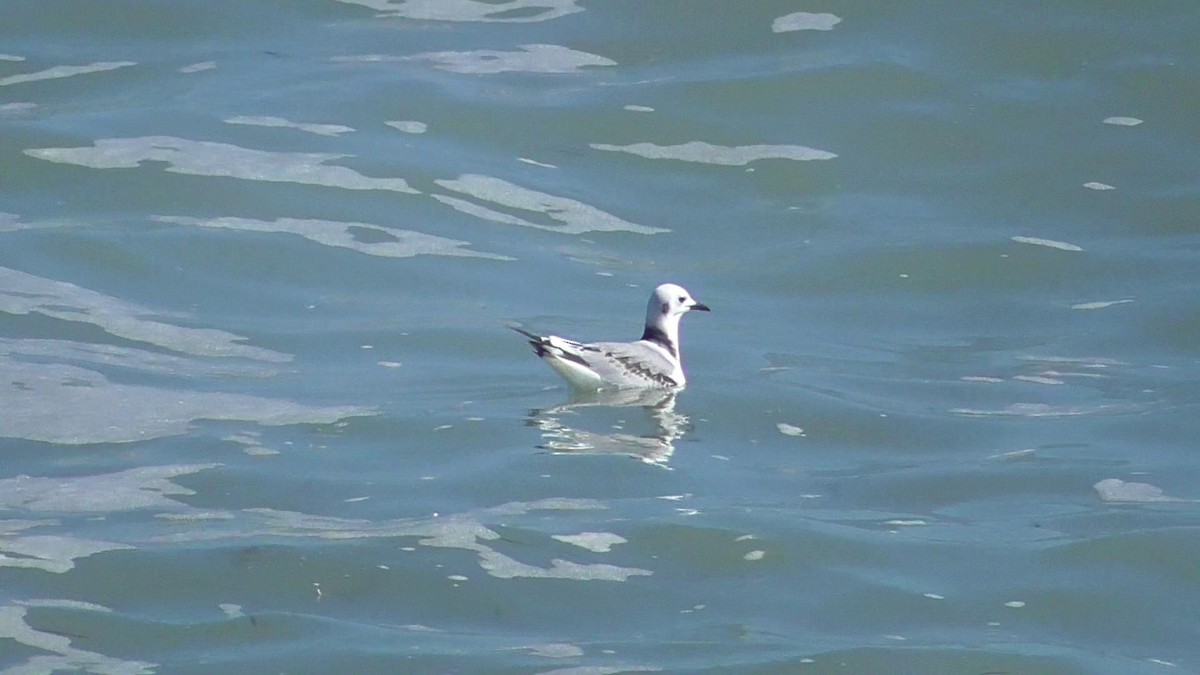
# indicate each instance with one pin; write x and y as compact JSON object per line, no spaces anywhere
{"x":665,"y":333}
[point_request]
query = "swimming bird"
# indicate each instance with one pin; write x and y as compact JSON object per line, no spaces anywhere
{"x":651,"y":362}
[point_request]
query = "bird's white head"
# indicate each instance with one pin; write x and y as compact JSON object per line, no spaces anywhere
{"x":667,"y":304}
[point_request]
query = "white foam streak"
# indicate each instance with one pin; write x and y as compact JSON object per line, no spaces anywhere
{"x":140,"y":488}
{"x":49,"y":553}
{"x":576,"y":217}
{"x":17,"y":108}
{"x":596,"y":542}
{"x":503,"y":567}
{"x":396,"y":243}
{"x":62,"y":656}
{"x":64,"y":71}
{"x":1099,"y":304}
{"x":1037,"y":379}
{"x":56,"y":403}
{"x":22,"y":293}
{"x":805,"y":21}
{"x":1049,"y":243}
{"x":206,"y":158}
{"x":510,"y":11}
{"x":1123,"y":121}
{"x":266,"y":121}
{"x":466,"y":531}
{"x":409,"y":126}
{"x":789,"y":429}
{"x":532,"y":58}
{"x":198,"y":67}
{"x":11,"y":222}
{"x":1117,"y":490}
{"x":1043,"y":410}
{"x":231,"y":610}
{"x":708,"y":153}
{"x":140,"y":360}
{"x":556,"y":650}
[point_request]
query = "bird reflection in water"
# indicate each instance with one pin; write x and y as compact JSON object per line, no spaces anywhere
{"x":656,"y":447}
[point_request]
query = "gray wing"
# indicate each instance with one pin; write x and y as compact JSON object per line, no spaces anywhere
{"x":633,"y":364}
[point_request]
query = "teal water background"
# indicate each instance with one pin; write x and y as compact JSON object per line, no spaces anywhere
{"x":259,"y":410}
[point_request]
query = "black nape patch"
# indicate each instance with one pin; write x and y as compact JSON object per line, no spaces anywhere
{"x":652,"y":334}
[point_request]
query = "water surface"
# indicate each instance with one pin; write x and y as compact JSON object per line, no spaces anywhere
{"x":259,"y":410}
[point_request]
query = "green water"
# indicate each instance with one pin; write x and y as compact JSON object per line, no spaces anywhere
{"x":260,"y":412}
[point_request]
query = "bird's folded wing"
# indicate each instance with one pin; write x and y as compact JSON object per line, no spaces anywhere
{"x":629,"y":363}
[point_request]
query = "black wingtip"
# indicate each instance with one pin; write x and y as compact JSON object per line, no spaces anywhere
{"x":536,"y":341}
{"x":524,"y":332}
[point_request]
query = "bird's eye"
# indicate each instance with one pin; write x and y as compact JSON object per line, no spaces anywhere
{"x":682,"y":299}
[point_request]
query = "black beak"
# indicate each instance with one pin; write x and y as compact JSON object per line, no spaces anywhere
{"x":700,"y":306}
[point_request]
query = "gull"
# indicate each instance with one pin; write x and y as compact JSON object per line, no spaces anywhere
{"x":651,"y":362}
